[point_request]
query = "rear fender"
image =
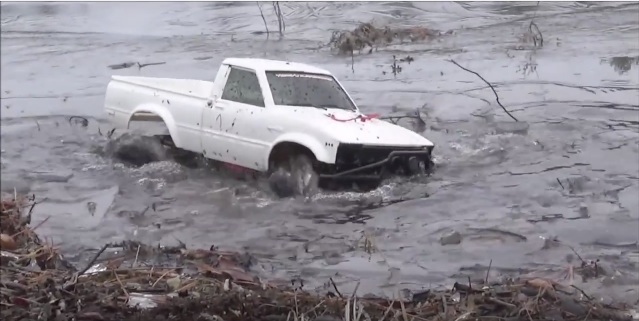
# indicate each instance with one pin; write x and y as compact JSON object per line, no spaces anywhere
{"x":318,"y":148}
{"x":164,"y":114}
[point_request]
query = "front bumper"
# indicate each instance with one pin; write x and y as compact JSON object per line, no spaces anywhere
{"x":367,"y":162}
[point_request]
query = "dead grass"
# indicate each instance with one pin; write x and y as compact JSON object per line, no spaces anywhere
{"x":37,"y":284}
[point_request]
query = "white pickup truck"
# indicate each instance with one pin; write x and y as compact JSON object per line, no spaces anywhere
{"x":273,"y":117}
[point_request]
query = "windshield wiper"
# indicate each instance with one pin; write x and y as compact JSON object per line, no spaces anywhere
{"x":342,"y":108}
{"x":327,"y":107}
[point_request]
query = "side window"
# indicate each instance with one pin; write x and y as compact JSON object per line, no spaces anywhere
{"x":242,"y":86}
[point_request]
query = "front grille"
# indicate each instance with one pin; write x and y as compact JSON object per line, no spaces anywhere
{"x":350,"y":156}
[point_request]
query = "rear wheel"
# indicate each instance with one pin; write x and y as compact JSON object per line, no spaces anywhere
{"x":136,"y":150}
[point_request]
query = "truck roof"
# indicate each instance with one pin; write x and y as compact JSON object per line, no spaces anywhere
{"x":260,"y":65}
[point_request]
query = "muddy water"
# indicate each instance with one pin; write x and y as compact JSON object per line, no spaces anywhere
{"x":569,"y":169}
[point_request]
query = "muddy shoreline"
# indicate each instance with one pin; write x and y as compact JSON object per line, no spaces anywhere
{"x":564,"y":174}
{"x":38,"y":283}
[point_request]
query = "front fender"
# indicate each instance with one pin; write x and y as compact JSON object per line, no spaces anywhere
{"x":318,"y":148}
{"x":166,"y":116}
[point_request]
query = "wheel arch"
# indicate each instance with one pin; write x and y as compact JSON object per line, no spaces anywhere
{"x":298,"y":143}
{"x":155,"y":113}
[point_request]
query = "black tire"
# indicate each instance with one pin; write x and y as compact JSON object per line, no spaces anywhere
{"x":367,"y":186}
{"x":136,"y":150}
{"x":297,"y":177}
{"x":304,"y":175}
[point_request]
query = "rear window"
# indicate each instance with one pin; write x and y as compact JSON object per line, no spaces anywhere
{"x":307,"y":90}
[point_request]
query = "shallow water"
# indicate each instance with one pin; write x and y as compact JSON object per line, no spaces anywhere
{"x":575,"y":151}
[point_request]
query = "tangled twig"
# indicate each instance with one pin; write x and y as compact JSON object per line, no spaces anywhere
{"x":395,"y":119}
{"x":487,"y":83}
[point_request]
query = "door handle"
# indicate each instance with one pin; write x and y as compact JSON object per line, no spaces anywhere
{"x":274,"y":129}
{"x":217,"y":104}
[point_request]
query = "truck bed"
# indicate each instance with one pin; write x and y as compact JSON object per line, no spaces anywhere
{"x":188,"y":87}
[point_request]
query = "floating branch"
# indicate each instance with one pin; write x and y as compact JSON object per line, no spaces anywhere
{"x":140,"y":66}
{"x":489,"y":85}
{"x":126,"y":65}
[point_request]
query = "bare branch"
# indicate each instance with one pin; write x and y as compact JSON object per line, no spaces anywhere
{"x":487,"y":83}
{"x":263,"y":19}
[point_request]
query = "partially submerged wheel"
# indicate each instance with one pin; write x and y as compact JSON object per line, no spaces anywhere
{"x":304,"y":174}
{"x":136,"y":150}
{"x":418,"y":166}
{"x":366,"y":186}
{"x":296,"y":176}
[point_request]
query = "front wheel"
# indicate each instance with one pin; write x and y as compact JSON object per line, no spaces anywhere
{"x":306,"y":179}
{"x":296,"y":176}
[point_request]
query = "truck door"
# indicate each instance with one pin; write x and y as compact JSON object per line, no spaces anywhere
{"x":228,"y":123}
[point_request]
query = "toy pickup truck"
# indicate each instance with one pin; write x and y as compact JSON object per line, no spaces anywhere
{"x":291,"y":121}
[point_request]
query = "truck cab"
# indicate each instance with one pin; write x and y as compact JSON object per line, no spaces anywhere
{"x":257,"y":104}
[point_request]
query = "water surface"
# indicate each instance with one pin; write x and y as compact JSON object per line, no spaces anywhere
{"x":569,"y":169}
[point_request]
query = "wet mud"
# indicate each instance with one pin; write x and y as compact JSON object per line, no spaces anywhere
{"x":534,"y":195}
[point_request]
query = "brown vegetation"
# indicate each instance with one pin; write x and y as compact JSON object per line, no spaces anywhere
{"x":366,"y":35}
{"x":37,"y":284}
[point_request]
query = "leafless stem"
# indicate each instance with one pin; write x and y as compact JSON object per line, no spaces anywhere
{"x":560,"y":184}
{"x":280,"y":19}
{"x":335,"y":287}
{"x":489,"y":85}
{"x":263,"y":19}
{"x":281,"y":15}
{"x":582,"y":292}
{"x":95,"y":258}
{"x":353,"y":60}
{"x":536,"y":32}
{"x":488,"y":271}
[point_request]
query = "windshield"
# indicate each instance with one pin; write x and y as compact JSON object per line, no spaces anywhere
{"x":308,"y":90}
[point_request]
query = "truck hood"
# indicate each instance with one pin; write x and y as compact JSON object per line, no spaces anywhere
{"x":343,"y":126}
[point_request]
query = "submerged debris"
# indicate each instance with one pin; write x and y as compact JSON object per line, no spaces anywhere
{"x":211,"y":284}
{"x":368,"y":36}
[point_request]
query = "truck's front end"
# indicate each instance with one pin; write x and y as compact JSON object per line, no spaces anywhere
{"x":365,"y":149}
{"x":360,"y":162}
